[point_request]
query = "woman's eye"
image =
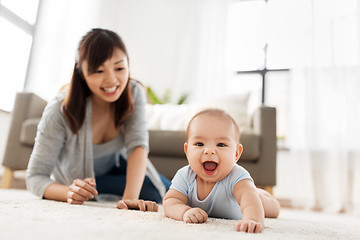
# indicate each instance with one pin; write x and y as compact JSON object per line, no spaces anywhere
{"x":99,"y":71}
{"x":119,"y":69}
{"x":199,"y":144}
{"x":221,"y":145}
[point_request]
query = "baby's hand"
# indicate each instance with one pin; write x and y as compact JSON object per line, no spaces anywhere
{"x":195,"y":215}
{"x":249,"y":226}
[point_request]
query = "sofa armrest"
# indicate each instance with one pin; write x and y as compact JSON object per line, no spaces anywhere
{"x":28,"y":131}
{"x":264,"y":124}
{"x":27,"y":105}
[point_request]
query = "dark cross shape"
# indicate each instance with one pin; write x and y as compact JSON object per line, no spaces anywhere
{"x":263,"y":73}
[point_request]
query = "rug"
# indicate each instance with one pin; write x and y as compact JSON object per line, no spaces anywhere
{"x":24,"y":216}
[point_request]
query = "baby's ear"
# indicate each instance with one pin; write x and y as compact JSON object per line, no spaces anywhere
{"x":185,"y":148}
{"x":239,"y":150}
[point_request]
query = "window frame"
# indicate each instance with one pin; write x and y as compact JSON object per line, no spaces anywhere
{"x":23,"y":25}
{"x":264,"y":70}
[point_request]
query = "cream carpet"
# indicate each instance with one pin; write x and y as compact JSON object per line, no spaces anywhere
{"x":23,"y":216}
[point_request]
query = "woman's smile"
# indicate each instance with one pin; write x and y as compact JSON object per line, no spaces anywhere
{"x":110,"y":91}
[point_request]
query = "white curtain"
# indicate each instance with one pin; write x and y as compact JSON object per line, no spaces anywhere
{"x":325,"y":108}
{"x":210,"y":49}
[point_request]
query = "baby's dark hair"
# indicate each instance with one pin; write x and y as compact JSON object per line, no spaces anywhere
{"x":215,"y":112}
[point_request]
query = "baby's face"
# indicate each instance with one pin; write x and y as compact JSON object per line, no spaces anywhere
{"x":212,"y":148}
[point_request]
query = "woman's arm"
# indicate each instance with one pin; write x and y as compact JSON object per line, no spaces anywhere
{"x":135,"y":173}
{"x":49,"y":144}
{"x":137,"y":147}
{"x":49,"y":141}
{"x":56,"y":191}
{"x":136,"y":143}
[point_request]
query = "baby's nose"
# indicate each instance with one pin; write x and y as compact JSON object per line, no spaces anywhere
{"x":209,"y":151}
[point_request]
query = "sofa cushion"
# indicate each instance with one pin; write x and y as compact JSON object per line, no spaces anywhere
{"x":167,"y":143}
{"x":28,"y":131}
{"x":171,"y":144}
{"x":176,"y":117}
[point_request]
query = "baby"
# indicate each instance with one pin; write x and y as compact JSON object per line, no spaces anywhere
{"x":213,"y":184}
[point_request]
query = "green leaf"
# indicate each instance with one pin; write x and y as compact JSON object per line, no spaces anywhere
{"x":182,"y":99}
{"x":167,"y":96}
{"x":153,"y":97}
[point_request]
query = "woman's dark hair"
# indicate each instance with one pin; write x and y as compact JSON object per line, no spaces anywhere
{"x":95,"y":47}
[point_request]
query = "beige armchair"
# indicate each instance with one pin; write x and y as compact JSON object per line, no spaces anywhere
{"x":25,"y":116}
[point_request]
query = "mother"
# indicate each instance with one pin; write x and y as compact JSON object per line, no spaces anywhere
{"x":93,"y":138}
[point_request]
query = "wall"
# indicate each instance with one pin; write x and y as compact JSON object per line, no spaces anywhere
{"x":173,"y":44}
{"x":60,"y":26}
{"x":151,"y":31}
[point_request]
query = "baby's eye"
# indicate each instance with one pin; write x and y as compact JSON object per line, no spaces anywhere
{"x":99,"y":71}
{"x":119,"y":69}
{"x":199,"y":144}
{"x":221,"y":145}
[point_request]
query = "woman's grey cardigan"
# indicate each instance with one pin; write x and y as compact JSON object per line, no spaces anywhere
{"x":61,"y":156}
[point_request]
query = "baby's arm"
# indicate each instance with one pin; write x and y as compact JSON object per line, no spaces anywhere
{"x":175,"y":206}
{"x":252,"y":210}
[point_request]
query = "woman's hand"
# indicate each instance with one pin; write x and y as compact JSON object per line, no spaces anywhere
{"x":81,"y":191}
{"x":249,"y":226}
{"x":141,"y":205}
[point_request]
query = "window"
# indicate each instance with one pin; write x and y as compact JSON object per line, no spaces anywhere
{"x":17,"y":24}
{"x":260,"y":48}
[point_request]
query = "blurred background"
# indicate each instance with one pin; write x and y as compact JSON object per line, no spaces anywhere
{"x":301,"y":56}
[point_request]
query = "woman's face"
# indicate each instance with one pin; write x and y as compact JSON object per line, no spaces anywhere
{"x":108,"y":82}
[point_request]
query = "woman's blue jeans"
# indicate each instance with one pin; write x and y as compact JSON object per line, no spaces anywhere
{"x":114,"y":183}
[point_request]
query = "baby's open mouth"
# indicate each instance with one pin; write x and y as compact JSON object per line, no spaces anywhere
{"x":209,"y":167}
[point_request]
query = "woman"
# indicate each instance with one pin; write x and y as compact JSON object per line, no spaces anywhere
{"x":92,"y":138}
